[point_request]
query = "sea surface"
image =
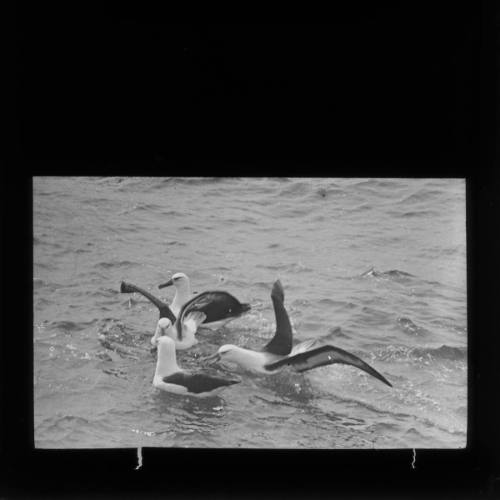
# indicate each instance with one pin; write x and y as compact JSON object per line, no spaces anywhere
{"x":373,"y":266}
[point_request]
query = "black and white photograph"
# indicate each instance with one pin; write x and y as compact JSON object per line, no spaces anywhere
{"x":251,"y":260}
{"x":249,"y":312}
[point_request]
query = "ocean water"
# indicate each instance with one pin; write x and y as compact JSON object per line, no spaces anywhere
{"x":373,"y":266}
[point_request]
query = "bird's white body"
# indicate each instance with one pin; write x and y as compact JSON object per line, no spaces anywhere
{"x":166,"y":363}
{"x":189,"y":328}
{"x":247,"y":359}
{"x":256,"y":361}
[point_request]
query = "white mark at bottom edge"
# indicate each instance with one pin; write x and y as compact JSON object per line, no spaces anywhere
{"x":139,"y":457}
{"x":414,"y":458}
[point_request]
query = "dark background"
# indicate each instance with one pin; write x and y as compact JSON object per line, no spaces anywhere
{"x":406,"y":90}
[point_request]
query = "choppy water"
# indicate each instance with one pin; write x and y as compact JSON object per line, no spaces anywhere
{"x":376,"y":267}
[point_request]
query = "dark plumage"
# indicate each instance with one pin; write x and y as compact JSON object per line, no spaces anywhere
{"x":216,"y":305}
{"x":165,"y":311}
{"x":322,"y":356}
{"x":281,"y":343}
{"x":198,"y":383}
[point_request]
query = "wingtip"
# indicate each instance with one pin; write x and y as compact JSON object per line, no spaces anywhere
{"x":277,"y":290}
{"x":380,"y":377}
{"x":245,"y":307}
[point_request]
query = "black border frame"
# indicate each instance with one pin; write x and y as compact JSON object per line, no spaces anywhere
{"x":469,"y":473}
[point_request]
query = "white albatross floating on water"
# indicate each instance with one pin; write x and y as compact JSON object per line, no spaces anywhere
{"x":278,"y":353}
{"x":206,"y":307}
{"x":170,"y":377}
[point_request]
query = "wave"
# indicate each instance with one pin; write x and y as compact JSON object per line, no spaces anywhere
{"x":444,"y":352}
{"x":418,"y":213}
{"x":422,"y":195}
{"x":142,"y":207}
{"x":294,"y":267}
{"x":335,"y":333}
{"x":120,"y":263}
{"x":104,"y":292}
{"x":52,"y":244}
{"x":38,"y":283}
{"x":336,"y":303}
{"x":404,"y":277}
{"x":326,"y":192}
{"x":189,"y":181}
{"x":364,"y":207}
{"x":175,"y":243}
{"x":68,"y":326}
{"x":409,"y":327}
{"x":298,"y":188}
{"x":378,"y":183}
{"x":393,"y":273}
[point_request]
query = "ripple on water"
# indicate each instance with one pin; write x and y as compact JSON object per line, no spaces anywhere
{"x":410,"y":328}
{"x":418,"y":354}
{"x":297,"y":189}
{"x":117,"y":264}
{"x":70,"y":326}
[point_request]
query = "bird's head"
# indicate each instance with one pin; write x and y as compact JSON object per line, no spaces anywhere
{"x":227,"y":352}
{"x":178,"y":280}
{"x":161,"y":330}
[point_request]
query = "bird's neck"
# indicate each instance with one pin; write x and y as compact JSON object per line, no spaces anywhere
{"x":166,"y":363}
{"x":182,"y":295}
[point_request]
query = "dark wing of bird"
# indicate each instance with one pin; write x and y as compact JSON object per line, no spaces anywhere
{"x":165,"y":311}
{"x":281,"y":343}
{"x":198,"y":383}
{"x":216,"y":305}
{"x":325,"y":355}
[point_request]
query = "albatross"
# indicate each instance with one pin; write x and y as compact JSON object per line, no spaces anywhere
{"x":182,"y":331}
{"x":206,"y":307}
{"x":219,"y":307}
{"x":279,"y":352}
{"x":170,"y":377}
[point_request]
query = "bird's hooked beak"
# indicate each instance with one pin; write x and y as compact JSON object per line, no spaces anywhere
{"x":170,"y":282}
{"x":212,"y":358}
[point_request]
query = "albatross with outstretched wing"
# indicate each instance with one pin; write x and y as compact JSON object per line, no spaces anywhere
{"x":279,"y":352}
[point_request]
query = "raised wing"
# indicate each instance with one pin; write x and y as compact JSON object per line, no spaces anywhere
{"x":281,"y":343}
{"x":325,"y":355}
{"x":198,"y":383}
{"x":165,"y":311}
